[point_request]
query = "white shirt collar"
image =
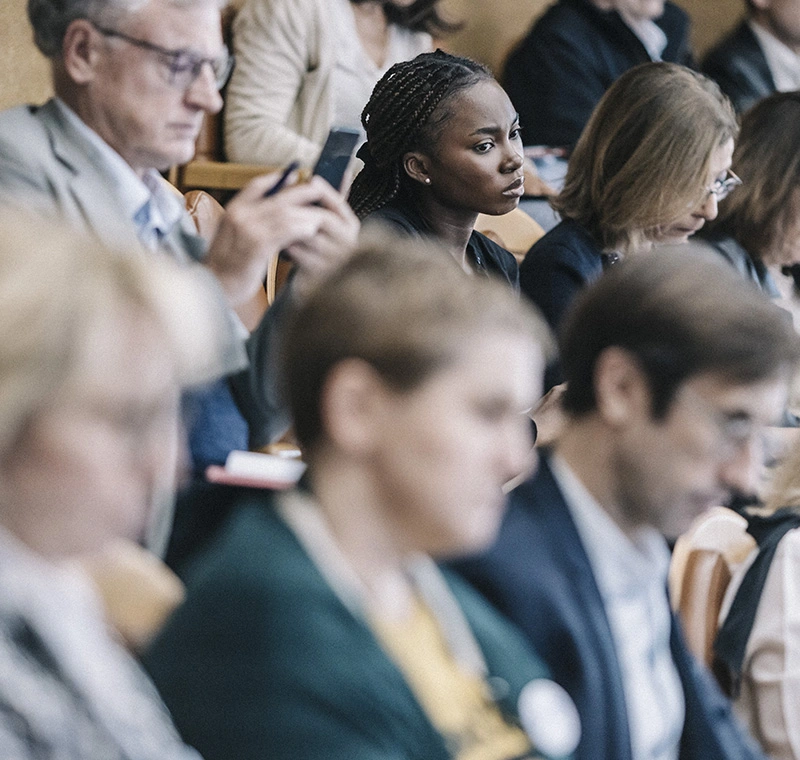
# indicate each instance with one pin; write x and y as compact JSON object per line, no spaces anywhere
{"x":650,"y":34}
{"x":783,"y":62}
{"x":618,"y":561}
{"x":133,"y":192}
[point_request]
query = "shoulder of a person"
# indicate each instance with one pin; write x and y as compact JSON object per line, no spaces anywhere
{"x":247,"y":540}
{"x":23,"y":127}
{"x":567,"y":241}
{"x":396,"y":216}
{"x":563,"y":19}
{"x":674,"y":15}
{"x":733,"y":44}
{"x":491,"y":248}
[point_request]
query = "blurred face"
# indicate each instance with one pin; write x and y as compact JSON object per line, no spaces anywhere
{"x":92,"y":464}
{"x":681,"y":229}
{"x":131,"y":103}
{"x":782,"y":18}
{"x":444,"y":450}
{"x":708,"y":447}
{"x":476,"y":166}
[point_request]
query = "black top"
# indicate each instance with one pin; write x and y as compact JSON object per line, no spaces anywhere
{"x":484,"y":254}
{"x":738,"y":65}
{"x":570,"y":57}
{"x":558,"y":266}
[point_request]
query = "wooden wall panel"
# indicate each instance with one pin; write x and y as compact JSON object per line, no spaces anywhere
{"x":24,"y":72}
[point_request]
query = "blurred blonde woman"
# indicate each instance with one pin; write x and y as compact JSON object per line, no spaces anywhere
{"x":94,"y":348}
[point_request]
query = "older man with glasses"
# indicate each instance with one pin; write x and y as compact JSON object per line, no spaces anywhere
{"x":133,"y":80}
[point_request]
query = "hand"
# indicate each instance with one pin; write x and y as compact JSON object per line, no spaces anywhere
{"x":335,"y":239}
{"x":311,"y":220}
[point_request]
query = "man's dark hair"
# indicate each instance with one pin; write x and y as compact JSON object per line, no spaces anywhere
{"x":679,"y":314}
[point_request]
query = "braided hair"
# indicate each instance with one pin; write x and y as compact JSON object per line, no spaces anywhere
{"x":406,"y":112}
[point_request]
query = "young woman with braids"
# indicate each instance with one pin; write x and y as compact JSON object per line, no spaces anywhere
{"x":305,"y":65}
{"x":443,"y":145}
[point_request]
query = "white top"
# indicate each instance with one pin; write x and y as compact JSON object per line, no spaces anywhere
{"x":783,"y":62}
{"x":632,"y":578}
{"x":355,"y":73}
{"x":299,"y":67}
{"x":769,"y":701}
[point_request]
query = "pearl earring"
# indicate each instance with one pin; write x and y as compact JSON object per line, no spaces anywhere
{"x":427,"y":180}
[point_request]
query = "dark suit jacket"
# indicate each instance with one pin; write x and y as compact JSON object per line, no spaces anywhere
{"x":570,"y":57}
{"x":556,"y":268}
{"x":738,"y":65}
{"x":539,"y":575}
{"x":265,"y":662}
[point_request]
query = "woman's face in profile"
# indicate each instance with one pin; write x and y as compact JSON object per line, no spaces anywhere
{"x":443,"y":451}
{"x":683,"y":228}
{"x":92,"y":463}
{"x":476,"y":165}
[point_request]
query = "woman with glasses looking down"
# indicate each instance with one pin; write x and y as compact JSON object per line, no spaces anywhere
{"x":648,"y":169}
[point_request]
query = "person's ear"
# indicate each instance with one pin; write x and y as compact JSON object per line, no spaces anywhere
{"x":416,"y":166}
{"x":79,"y":51}
{"x":352,"y":406}
{"x":622,"y":391}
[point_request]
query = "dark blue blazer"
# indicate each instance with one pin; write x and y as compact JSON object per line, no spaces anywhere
{"x":571,"y":56}
{"x":539,"y":575}
{"x":738,"y":65}
{"x":556,"y":268}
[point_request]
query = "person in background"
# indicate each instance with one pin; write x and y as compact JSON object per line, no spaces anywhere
{"x":577,"y":50}
{"x":757,"y":644}
{"x":759,"y":227}
{"x":674,"y":368}
{"x":133,"y":80}
{"x":316,"y":625}
{"x":761,"y":55}
{"x":649,"y":169}
{"x":443,"y":145}
{"x":303,"y":66}
{"x":94,"y":348}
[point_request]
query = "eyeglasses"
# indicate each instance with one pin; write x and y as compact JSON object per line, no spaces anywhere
{"x":183,"y":66}
{"x":734,"y":431}
{"x":722,"y":188}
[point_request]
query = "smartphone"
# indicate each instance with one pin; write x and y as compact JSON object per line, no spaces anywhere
{"x":336,"y":154}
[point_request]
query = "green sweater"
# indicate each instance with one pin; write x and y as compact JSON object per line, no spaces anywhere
{"x":263,"y":661}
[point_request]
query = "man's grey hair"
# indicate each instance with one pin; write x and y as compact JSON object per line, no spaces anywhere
{"x":50,"y":18}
